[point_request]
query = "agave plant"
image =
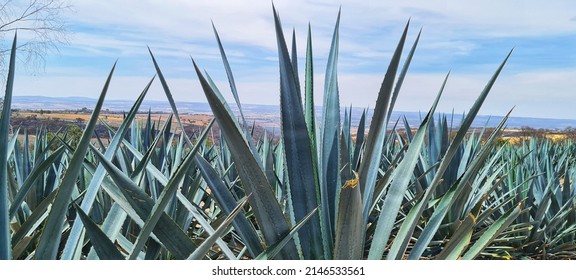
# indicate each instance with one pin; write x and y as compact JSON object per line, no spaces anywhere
{"x":357,"y":206}
{"x":319,"y":192}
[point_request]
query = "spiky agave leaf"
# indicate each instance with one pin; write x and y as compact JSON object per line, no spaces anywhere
{"x":135,"y":201}
{"x":375,"y":141}
{"x":410,"y":224}
{"x":201,"y":251}
{"x":401,"y":177}
{"x":104,"y":247}
{"x":5,"y":243}
{"x":226,"y":201}
{"x":166,"y":196}
{"x":271,"y":220}
{"x":329,"y":145}
{"x":302,"y":181}
{"x":51,"y":235}
{"x":92,"y":190}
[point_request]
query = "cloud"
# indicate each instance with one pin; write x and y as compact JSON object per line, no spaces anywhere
{"x":251,"y":23}
{"x":468,"y":37}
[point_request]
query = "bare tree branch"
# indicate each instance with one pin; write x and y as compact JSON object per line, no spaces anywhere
{"x":41,"y":27}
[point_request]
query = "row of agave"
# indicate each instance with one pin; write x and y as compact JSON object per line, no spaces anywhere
{"x":319,"y":192}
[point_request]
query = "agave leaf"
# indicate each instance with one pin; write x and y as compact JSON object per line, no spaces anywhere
{"x":230,"y":77}
{"x":459,"y":240}
{"x":204,"y":223}
{"x":166,"y":196}
{"x":402,"y":75}
{"x":492,"y":232}
{"x":235,"y":93}
{"x":167,"y":231}
{"x":12,"y":144}
{"x":169,"y":97}
{"x":35,"y":174}
{"x":5,"y":243}
{"x":199,"y":253}
{"x":349,"y":243}
{"x":263,"y":201}
{"x":51,"y":235}
{"x":76,"y":232}
{"x":21,"y":246}
{"x":309,"y":97}
{"x":34,"y":220}
{"x":329,"y":145}
{"x":247,"y":136}
{"x":27,"y":159}
{"x":226,"y":201}
{"x":439,"y":213}
{"x":384,"y":182}
{"x":359,"y":141}
{"x":112,"y":226}
{"x":273,"y":250}
{"x":560,"y":216}
{"x":543,"y":207}
{"x":294,"y":61}
{"x":400,"y":180}
{"x":299,"y":162}
{"x":375,"y":141}
{"x":145,"y":160}
{"x":345,"y":158}
{"x":267,"y":149}
{"x":153,"y":170}
{"x":565,"y":246}
{"x":449,"y":198}
{"x":104,"y":247}
{"x":451,"y":151}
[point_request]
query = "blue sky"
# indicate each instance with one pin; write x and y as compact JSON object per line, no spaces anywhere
{"x":468,"y":38}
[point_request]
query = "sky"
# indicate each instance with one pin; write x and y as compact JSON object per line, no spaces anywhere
{"x":468,"y":38}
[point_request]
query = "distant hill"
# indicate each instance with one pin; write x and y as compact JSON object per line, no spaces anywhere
{"x":265,"y":113}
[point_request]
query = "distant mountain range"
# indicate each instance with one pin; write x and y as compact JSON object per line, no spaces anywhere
{"x":268,"y":115}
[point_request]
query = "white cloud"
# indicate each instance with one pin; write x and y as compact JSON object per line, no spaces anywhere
{"x":369,"y":32}
{"x":446,"y":23}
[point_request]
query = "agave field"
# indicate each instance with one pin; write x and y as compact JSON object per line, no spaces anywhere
{"x":150,"y":191}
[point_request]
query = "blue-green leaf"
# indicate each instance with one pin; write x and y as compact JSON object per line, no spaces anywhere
{"x":104,"y":247}
{"x":271,"y":220}
{"x":460,"y":240}
{"x":167,"y":194}
{"x":52,"y":233}
{"x":5,"y":243}
{"x":169,"y":97}
{"x":273,"y":250}
{"x":451,"y":151}
{"x":400,"y":180}
{"x":94,"y":187}
{"x":199,"y":253}
{"x":349,"y":243}
{"x":375,"y":141}
{"x":492,"y":232}
{"x":299,"y":163}
{"x":34,"y":175}
{"x":227,"y":202}
{"x":167,"y":231}
{"x":329,"y":145}
{"x":448,"y":199}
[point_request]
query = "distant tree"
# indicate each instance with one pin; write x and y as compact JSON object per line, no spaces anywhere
{"x":527,"y":131}
{"x":570,"y":132}
{"x":72,"y":136}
